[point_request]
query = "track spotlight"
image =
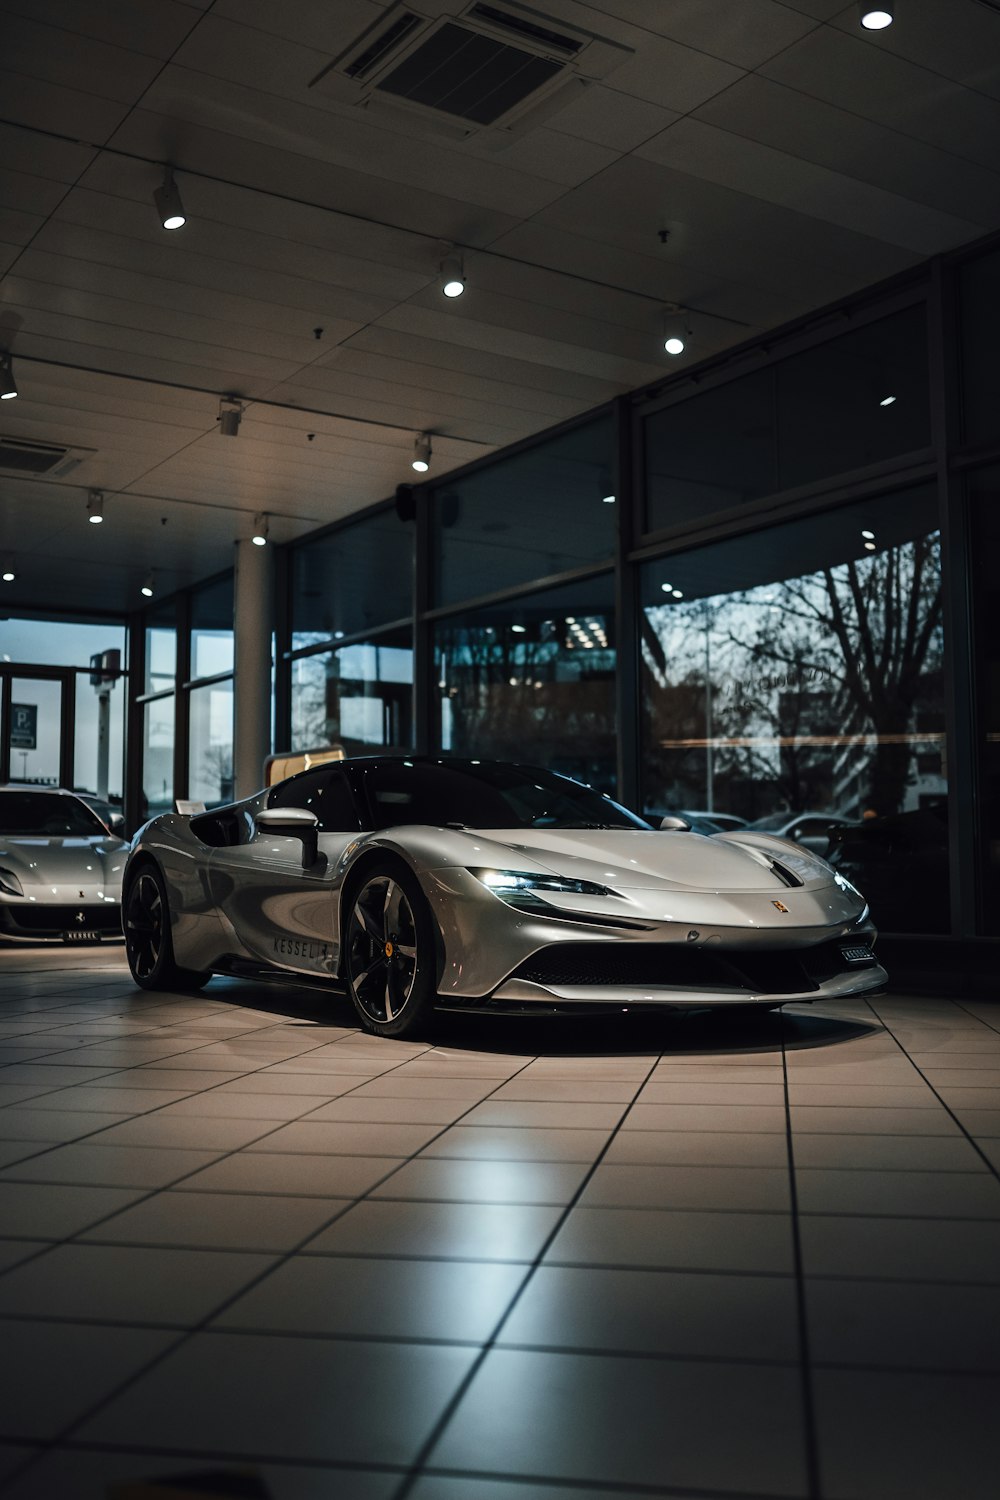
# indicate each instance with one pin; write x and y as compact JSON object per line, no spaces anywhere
{"x":875,"y":17}
{"x":8,"y":385}
{"x":261,"y":528}
{"x":421,"y":460}
{"x":168,"y":202}
{"x":452,"y":275}
{"x":9,"y":571}
{"x":147,"y":588}
{"x":675,"y":331}
{"x":95,"y":507}
{"x":230,"y":413}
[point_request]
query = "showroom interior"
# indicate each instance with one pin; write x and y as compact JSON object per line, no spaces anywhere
{"x":610,"y":387}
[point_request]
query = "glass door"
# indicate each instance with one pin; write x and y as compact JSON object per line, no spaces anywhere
{"x":36,"y":728}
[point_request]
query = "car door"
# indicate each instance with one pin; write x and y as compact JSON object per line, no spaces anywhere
{"x":279,"y":910}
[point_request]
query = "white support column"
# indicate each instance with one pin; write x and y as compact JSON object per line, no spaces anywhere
{"x":253,"y":619}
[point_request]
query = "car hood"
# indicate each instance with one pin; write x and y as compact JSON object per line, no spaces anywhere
{"x":640,"y":860}
{"x":78,"y":863}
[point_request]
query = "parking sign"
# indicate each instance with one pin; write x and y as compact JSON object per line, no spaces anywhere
{"x":24,"y":726}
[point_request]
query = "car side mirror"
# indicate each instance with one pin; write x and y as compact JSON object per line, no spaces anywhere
{"x":673,"y":824}
{"x":116,"y":823}
{"x":293,"y":823}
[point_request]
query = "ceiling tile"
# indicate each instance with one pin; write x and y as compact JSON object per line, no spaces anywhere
{"x":760,"y":171}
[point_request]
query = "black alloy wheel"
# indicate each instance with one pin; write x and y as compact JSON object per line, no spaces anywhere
{"x":148,"y":945}
{"x":389,"y":953}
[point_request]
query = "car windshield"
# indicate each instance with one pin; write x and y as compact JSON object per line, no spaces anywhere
{"x":473,"y":794}
{"x":45,"y":815}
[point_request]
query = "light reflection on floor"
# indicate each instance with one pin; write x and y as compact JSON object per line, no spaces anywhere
{"x":720,"y":1256}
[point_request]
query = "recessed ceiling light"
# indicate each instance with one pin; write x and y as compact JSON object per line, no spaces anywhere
{"x":869,"y":546}
{"x":609,"y":499}
{"x":875,"y":17}
{"x":519,"y":629}
{"x":887,"y":400}
{"x":869,"y":536}
{"x":677,"y":593}
{"x":667,"y":588}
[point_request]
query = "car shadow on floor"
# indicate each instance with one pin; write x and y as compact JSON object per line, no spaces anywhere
{"x":738,"y":1029}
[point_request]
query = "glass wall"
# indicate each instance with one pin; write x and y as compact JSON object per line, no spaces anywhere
{"x":210,"y":769}
{"x":359,"y":696}
{"x":352,"y":580}
{"x":979,"y":293}
{"x":793,"y":678}
{"x":212,"y":628}
{"x":533,"y":680}
{"x":158,"y":717}
{"x":545,"y":510}
{"x":854,"y":401}
{"x":76,"y":705}
{"x":984,"y":496}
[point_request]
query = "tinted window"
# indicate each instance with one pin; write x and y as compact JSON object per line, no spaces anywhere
{"x":486,"y":796}
{"x":325,"y":793}
{"x":36,"y":814}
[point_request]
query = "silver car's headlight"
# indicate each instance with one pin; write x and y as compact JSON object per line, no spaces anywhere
{"x":845,"y":885}
{"x":10,"y":883}
{"x":521,"y":887}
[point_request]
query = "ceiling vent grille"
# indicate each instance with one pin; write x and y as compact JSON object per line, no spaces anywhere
{"x":18,"y":456}
{"x":491,"y":68}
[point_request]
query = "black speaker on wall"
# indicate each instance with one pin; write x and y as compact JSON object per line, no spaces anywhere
{"x":406,"y":502}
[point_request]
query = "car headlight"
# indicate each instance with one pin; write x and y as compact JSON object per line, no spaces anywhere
{"x":845,"y":885}
{"x":10,"y":883}
{"x":519,"y":887}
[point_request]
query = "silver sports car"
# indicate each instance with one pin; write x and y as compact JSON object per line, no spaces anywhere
{"x":60,"y":869}
{"x":423,"y":881}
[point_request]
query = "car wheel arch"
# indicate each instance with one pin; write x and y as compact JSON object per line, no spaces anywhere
{"x":379,"y":856}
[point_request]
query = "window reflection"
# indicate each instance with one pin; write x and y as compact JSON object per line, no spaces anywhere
{"x":534,"y":681}
{"x":544,"y":510}
{"x":359,"y":696}
{"x":332,"y":589}
{"x":808,"y":692}
{"x":157,"y":758}
{"x":212,"y":629}
{"x":210,"y":777}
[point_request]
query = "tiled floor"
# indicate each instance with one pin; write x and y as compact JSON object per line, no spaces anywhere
{"x":720,"y":1257}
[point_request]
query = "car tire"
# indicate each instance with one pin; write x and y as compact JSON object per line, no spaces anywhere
{"x":148,"y":944}
{"x":390,"y":963}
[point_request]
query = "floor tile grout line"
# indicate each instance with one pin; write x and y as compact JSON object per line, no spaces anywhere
{"x":973,"y":1142}
{"x":440,"y":1426}
{"x":202,"y":1326}
{"x":810,"y":1432}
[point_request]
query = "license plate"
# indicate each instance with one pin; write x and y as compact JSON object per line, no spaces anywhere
{"x":82,"y":935}
{"x":861,"y":954}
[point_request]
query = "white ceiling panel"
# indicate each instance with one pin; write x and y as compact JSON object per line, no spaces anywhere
{"x":764,"y":172}
{"x":778,"y":116}
{"x":791,"y":159}
{"x":609,"y":117}
{"x":957,"y":39}
{"x":743,"y":32}
{"x":863,"y":76}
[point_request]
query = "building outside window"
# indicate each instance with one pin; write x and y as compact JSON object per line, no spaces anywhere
{"x":359,"y":696}
{"x":796,"y":674}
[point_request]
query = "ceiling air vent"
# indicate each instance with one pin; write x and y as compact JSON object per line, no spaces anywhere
{"x":18,"y":456}
{"x":488,"y":69}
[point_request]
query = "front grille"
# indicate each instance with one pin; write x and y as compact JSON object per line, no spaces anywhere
{"x":35,"y":919}
{"x":641,"y":965}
